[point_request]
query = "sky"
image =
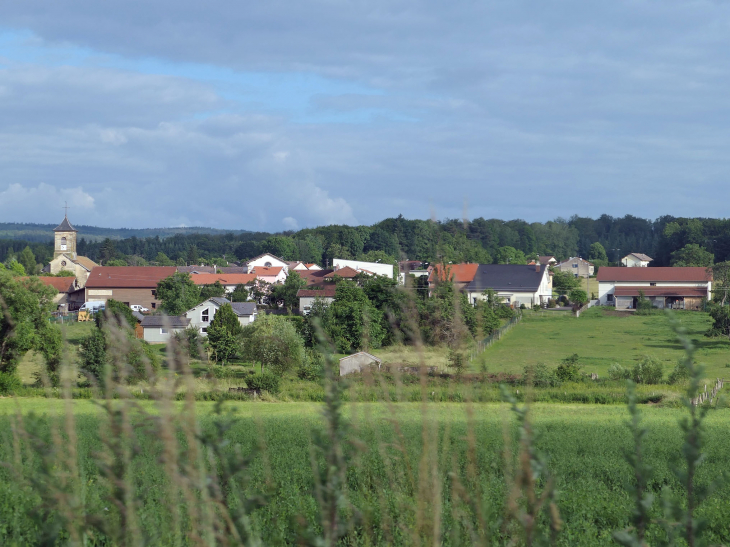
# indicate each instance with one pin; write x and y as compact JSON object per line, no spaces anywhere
{"x":281,"y":115}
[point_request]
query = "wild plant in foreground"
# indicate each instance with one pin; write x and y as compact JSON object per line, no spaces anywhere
{"x":526,"y":505}
{"x":643,"y":500}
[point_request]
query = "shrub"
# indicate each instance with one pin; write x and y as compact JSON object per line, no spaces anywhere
{"x":541,"y":375}
{"x":579,"y":296}
{"x":192,"y":340}
{"x":457,"y":360}
{"x":647,"y":371}
{"x":220,"y":372}
{"x":617,"y":372}
{"x":273,"y":341}
{"x":569,"y":369}
{"x":265,"y":381}
{"x":523,"y":307}
{"x":536,"y":307}
{"x":503,"y":311}
{"x":552,"y":303}
{"x":679,"y":374}
{"x":312,"y":367}
{"x":9,"y":382}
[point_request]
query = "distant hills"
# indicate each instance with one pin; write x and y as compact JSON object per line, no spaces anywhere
{"x":44,"y":232}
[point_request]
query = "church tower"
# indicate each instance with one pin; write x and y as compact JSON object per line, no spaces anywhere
{"x":65,"y":239}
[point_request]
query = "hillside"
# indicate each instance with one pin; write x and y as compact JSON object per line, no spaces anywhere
{"x":44,"y":232}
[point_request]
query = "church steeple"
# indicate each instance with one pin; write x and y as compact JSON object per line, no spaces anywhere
{"x":64,"y":239}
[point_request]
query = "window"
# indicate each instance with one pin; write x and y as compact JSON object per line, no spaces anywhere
{"x":154,"y":293}
{"x":63,"y":243}
{"x":154,"y":305}
{"x":163,"y":331}
{"x":652,"y":284}
{"x":267,"y":265}
{"x":205,"y":317}
{"x":63,"y":263}
{"x":575,"y":265}
{"x":609,"y":297}
{"x":575,"y":275}
{"x":204,"y":329}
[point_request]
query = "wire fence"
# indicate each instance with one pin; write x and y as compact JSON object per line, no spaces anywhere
{"x":495,"y":336}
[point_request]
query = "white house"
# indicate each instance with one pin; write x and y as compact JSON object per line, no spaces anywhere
{"x":267,"y":260}
{"x":676,"y":288}
{"x":157,"y":329}
{"x":308,"y":296}
{"x":515,"y":284}
{"x":202,"y":315}
{"x":636,"y":260}
{"x":377,"y":268}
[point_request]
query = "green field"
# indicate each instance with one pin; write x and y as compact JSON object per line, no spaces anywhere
{"x":400,"y":471}
{"x":602,"y":337}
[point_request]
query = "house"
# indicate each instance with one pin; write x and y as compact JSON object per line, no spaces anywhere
{"x":313,"y":267}
{"x":515,"y":284}
{"x":201,"y":315}
{"x":577,"y":267}
{"x":345,"y":273}
{"x":459,"y":274}
{"x":298,"y":266}
{"x":308,"y":296}
{"x":157,"y":329}
{"x":675,"y":288}
{"x":70,"y":294}
{"x":547,"y":260}
{"x":267,"y":260}
{"x":64,"y":254}
{"x":315,"y":278}
{"x":229,"y":281}
{"x":636,"y":260}
{"x":270,"y":275}
{"x":127,"y":284}
{"x":233,"y":269}
{"x":376,"y":268}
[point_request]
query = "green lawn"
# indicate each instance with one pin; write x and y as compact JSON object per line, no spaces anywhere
{"x":402,"y":469}
{"x":602,"y":337}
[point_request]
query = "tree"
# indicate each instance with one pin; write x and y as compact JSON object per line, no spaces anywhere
{"x":239,"y":294}
{"x":720,"y":273}
{"x":26,"y":306}
{"x":355,"y":323}
{"x":107,"y":251}
{"x":720,"y":321}
{"x":692,"y":255}
{"x":273,"y":342}
{"x":16,"y":268}
{"x":117,"y":310}
{"x":597,"y":252}
{"x":287,"y":291}
{"x":509,"y":255}
{"x":28,"y":261}
{"x":192,"y":256}
{"x":564,"y":282}
{"x":178,"y":293}
{"x":210,"y":291}
{"x":223,"y":334}
{"x":163,"y":260}
{"x":578,"y":296}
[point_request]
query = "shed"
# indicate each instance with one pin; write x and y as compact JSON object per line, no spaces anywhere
{"x":157,"y":328}
{"x":357,"y":362}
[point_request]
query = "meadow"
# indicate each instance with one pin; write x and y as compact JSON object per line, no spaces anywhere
{"x":412,"y":474}
{"x":601,"y":337}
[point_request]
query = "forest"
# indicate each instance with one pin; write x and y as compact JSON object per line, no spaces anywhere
{"x":452,"y":240}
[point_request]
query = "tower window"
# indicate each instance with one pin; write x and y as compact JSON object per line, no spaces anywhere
{"x":63,"y":243}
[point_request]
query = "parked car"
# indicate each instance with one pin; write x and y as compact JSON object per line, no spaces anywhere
{"x":139,"y":308}
{"x":94,"y":306}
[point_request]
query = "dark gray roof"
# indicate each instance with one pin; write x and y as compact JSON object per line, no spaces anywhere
{"x":65,"y":226}
{"x":164,"y":321}
{"x":244,"y":308}
{"x":194,"y":269}
{"x":219,"y":300}
{"x":138,"y":315}
{"x":233,"y":269}
{"x":507,"y":277}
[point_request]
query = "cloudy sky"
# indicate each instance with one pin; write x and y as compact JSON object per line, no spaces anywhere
{"x":285,"y":114}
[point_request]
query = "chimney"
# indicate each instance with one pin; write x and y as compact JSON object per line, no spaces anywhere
{"x":537,"y":267}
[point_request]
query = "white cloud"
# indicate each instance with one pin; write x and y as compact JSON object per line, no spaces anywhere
{"x":290,"y":223}
{"x":18,"y":201}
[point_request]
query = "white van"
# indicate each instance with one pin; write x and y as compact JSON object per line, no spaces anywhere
{"x":94,"y":306}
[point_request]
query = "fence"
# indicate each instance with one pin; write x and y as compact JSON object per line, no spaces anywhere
{"x":584,"y":308}
{"x":68,"y":318}
{"x":496,"y":335}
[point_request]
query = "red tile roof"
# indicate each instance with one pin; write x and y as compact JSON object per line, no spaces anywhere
{"x":661,"y":291}
{"x":225,"y":279}
{"x":458,"y":273}
{"x":687,"y":274}
{"x":61,"y":284}
{"x":346,"y":273}
{"x":268,"y":272}
{"x":133,"y":277}
{"x":327,"y":292}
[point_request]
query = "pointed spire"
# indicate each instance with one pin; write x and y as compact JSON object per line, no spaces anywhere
{"x":65,"y":226}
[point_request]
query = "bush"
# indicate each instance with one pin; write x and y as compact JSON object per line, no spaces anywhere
{"x":679,"y":374}
{"x":503,"y":311}
{"x":647,"y":371}
{"x":569,"y":369}
{"x":523,"y":307}
{"x":457,"y":360}
{"x":536,"y":307}
{"x":312,"y":367}
{"x":617,"y":372}
{"x":220,"y":372}
{"x":552,"y":303}
{"x":579,"y":297}
{"x":192,"y":340}
{"x":266,"y":381}
{"x":540,"y":375}
{"x":9,"y":383}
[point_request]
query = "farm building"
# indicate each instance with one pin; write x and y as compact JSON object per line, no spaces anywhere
{"x":674,"y":288}
{"x":128,"y":284}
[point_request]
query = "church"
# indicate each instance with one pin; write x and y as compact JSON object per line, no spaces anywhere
{"x":64,"y":254}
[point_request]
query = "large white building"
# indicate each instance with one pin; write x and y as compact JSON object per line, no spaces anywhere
{"x":676,"y":288}
{"x":377,"y":268}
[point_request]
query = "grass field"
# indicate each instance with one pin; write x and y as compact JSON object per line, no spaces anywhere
{"x":602,"y":337}
{"x":401,"y":473}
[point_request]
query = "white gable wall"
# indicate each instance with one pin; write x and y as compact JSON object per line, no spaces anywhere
{"x":268,"y":261}
{"x":374,"y":267}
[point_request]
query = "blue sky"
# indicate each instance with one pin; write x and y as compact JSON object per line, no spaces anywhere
{"x":280,"y":115}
